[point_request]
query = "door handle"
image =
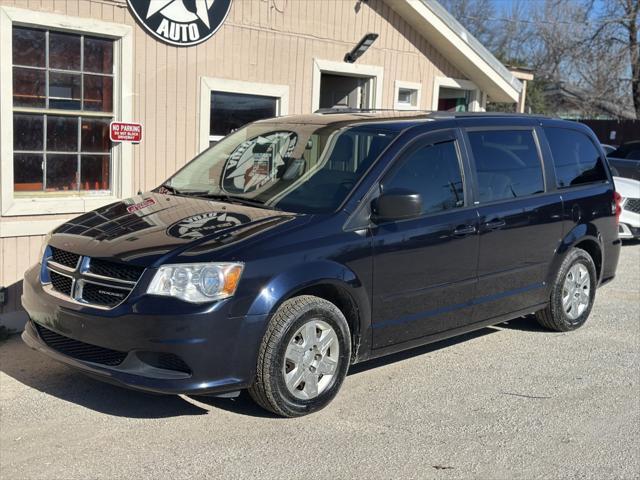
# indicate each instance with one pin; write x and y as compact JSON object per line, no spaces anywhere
{"x":464,"y":230}
{"x":494,"y":224}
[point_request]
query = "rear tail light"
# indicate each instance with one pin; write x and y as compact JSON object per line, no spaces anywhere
{"x":616,"y":206}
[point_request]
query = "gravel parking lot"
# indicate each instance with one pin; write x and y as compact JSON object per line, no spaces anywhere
{"x":512,"y":401}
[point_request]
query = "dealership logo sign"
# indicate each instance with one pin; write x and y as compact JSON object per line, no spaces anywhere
{"x":181,"y":22}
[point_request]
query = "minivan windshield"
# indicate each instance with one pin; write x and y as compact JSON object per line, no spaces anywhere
{"x":302,"y":168}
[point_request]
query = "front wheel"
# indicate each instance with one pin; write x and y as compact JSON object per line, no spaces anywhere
{"x":303,"y":358}
{"x":572,"y":293}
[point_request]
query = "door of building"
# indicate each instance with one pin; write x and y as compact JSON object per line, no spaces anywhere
{"x":345,"y":91}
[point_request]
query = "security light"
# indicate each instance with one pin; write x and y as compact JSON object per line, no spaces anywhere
{"x":361,"y":47}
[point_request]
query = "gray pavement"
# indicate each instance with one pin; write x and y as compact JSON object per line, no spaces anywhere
{"x":512,"y":401}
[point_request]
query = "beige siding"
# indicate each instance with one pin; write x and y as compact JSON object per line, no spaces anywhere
{"x":16,"y":256}
{"x":269,"y":41}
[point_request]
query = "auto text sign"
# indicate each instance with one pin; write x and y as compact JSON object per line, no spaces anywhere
{"x":181,"y":22}
{"x":125,"y":132}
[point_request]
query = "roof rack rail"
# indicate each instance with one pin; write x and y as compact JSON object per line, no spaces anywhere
{"x":339,"y":109}
{"x":428,"y":113}
{"x":443,"y":114}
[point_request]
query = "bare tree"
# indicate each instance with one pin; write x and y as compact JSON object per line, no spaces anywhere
{"x":618,"y":30}
{"x":586,"y":47}
{"x":476,"y":16}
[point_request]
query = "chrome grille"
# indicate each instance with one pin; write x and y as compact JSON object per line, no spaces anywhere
{"x":632,"y":204}
{"x":115,"y":270}
{"x":61,"y":283}
{"x":96,"y":282}
{"x":67,"y":259}
{"x":99,"y":295}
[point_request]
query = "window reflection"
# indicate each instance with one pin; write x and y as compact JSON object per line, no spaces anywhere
{"x":61,"y":172}
{"x":56,"y":151}
{"x":32,"y":47}
{"x":64,"y":51}
{"x":64,"y":90}
{"x":230,"y":111}
{"x":298,"y":168}
{"x":27,"y":172}
{"x":29,"y":88}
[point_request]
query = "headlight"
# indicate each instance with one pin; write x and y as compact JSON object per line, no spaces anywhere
{"x":197,"y":282}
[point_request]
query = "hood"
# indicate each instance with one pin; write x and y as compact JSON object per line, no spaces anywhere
{"x":153,"y":227}
{"x":627,"y":187}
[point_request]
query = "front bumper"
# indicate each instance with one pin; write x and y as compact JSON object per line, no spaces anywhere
{"x":220,"y":351}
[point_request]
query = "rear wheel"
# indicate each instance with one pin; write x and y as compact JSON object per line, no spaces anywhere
{"x":572,"y":294}
{"x":303,"y":358}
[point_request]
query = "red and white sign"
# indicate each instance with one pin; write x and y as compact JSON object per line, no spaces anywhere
{"x":125,"y":132}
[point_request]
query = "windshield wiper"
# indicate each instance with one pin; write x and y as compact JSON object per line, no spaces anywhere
{"x":237,"y":199}
{"x":186,"y":193}
{"x":225,"y":197}
{"x":168,"y":188}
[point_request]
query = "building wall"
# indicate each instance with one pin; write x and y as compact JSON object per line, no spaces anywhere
{"x":266,"y":41}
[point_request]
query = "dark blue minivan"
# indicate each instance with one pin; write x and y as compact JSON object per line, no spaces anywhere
{"x":298,"y":246}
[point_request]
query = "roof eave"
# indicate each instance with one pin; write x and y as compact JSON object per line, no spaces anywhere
{"x":460,"y":48}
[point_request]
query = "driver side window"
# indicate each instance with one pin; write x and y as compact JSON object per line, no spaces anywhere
{"x":432,"y":171}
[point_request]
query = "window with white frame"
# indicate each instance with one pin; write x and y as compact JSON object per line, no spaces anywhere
{"x":230,"y":111}
{"x":227,"y":105}
{"x":451,"y":94}
{"x":62,"y":107}
{"x":64,"y":79}
{"x":407,"y":95}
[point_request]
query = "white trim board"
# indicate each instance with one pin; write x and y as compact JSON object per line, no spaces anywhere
{"x":28,"y":228}
{"x":351,"y":69}
{"x":210,"y":84}
{"x":122,"y":154}
{"x":398,"y":84}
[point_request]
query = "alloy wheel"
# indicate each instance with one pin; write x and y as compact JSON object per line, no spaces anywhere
{"x":576,"y":291}
{"x":311,"y":359}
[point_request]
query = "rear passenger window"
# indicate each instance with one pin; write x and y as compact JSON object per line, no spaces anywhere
{"x":575,"y":157}
{"x":507,"y":164}
{"x":433,"y":171}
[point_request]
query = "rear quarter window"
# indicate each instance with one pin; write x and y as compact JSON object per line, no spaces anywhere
{"x":575,"y":158}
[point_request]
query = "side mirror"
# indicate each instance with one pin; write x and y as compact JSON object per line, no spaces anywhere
{"x":396,"y":204}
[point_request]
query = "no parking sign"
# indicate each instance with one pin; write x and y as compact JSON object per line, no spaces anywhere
{"x":125,"y":132}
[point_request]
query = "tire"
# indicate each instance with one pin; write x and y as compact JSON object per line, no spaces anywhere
{"x":555,"y":316}
{"x":297,"y":348}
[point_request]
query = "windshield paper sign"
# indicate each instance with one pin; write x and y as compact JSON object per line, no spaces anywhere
{"x":181,"y":22}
